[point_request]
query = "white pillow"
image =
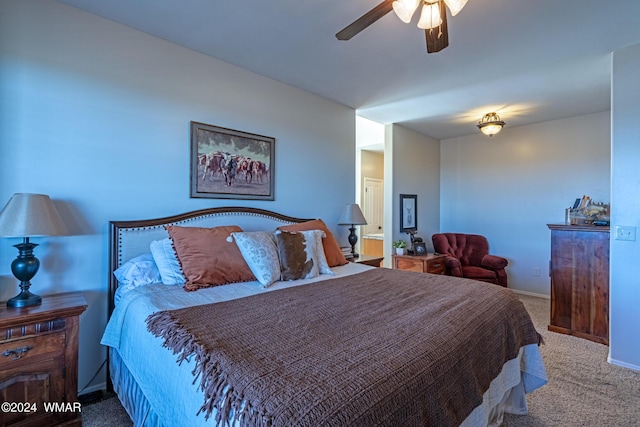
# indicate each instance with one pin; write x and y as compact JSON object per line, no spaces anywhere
{"x":261,"y":255}
{"x":167,"y":262}
{"x":138,"y":271}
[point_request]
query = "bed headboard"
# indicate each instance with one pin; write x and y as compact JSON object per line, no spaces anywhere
{"x":128,"y":239}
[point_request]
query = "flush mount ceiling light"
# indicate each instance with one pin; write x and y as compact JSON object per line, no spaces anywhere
{"x":490,"y":124}
{"x":433,"y":19}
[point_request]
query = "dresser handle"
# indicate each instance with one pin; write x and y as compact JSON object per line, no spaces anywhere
{"x":436,"y":265}
{"x":17,"y":353}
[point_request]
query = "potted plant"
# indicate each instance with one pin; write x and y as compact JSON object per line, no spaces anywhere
{"x":400,"y":246}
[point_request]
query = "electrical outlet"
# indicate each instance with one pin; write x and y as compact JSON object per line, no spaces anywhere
{"x":536,"y":271}
{"x":625,"y":232}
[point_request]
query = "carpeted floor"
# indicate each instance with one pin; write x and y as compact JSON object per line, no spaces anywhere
{"x":583,"y":389}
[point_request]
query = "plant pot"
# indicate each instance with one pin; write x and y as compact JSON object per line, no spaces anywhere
{"x":400,"y":251}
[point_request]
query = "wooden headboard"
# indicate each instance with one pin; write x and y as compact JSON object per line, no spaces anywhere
{"x":128,"y":239}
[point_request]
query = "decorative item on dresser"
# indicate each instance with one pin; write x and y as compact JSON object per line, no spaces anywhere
{"x":39,"y":362}
{"x":352,"y":215}
{"x":579,"y":271}
{"x":430,"y":263}
{"x":28,"y":215}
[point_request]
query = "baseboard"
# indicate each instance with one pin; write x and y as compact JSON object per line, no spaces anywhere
{"x":102,"y":387}
{"x":531,"y":294}
{"x":623,"y":364}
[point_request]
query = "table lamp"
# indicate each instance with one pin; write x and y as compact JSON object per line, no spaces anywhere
{"x":352,"y":215}
{"x":28,"y":215}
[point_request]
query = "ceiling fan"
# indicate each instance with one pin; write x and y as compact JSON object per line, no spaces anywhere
{"x":433,"y":19}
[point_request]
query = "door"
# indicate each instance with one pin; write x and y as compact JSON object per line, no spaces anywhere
{"x":373,"y":205}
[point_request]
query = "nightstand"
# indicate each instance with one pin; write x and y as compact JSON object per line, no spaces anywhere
{"x":39,"y":362}
{"x":430,"y":263}
{"x":373,"y":261}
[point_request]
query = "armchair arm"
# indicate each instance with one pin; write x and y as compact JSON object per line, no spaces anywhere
{"x":453,"y":265}
{"x":494,"y":262}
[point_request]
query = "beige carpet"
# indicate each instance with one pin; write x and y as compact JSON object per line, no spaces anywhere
{"x":583,"y":389}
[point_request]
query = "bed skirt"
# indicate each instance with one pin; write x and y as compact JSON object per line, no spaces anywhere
{"x":131,"y":396}
{"x":506,"y":393}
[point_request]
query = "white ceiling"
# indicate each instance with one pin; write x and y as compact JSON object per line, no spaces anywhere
{"x":529,"y":60}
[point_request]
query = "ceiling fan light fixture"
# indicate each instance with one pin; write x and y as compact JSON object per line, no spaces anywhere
{"x":405,"y":9}
{"x":490,"y":124}
{"x":455,"y":6}
{"x":430,"y":16}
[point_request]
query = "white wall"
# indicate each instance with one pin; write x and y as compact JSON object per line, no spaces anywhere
{"x":510,"y":186}
{"x":625,"y":191}
{"x":416,"y":170}
{"x":97,"y":116}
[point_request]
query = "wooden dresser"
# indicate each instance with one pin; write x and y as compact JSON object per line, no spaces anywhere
{"x":579,"y":271}
{"x":39,"y":362}
{"x":430,"y":263}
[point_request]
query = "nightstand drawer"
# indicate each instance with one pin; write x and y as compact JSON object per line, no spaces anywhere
{"x":431,"y":263}
{"x":409,"y":264}
{"x":20,"y":351}
{"x":436,"y":267}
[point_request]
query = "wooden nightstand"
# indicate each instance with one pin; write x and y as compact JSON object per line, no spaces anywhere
{"x":373,"y":261}
{"x":39,"y":362}
{"x":430,"y":263}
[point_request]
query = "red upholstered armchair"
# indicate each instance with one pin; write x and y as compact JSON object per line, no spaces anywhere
{"x":468,"y":256}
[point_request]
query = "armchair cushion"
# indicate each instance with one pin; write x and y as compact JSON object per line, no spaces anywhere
{"x":468,"y":256}
{"x":494,"y":262}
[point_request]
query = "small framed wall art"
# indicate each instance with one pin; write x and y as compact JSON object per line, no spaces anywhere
{"x":231,"y":164}
{"x":408,"y":213}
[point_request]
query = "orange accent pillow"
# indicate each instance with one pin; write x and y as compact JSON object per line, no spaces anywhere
{"x":331,"y":247}
{"x":207,"y":258}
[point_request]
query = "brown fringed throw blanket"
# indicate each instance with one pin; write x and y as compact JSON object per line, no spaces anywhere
{"x":382,"y":347}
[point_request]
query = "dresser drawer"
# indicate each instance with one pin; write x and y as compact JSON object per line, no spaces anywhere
{"x":17,"y":352}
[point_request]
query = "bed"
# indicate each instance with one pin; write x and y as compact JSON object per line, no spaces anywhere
{"x":347,"y":345}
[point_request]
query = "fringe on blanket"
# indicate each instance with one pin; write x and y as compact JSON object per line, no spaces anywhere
{"x":218,"y":393}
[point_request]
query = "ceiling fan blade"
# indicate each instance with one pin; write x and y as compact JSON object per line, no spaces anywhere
{"x":438,"y":38}
{"x":365,"y":20}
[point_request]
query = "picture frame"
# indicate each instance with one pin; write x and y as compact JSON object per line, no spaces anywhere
{"x":408,"y":213}
{"x":231,"y":164}
{"x":419,"y":248}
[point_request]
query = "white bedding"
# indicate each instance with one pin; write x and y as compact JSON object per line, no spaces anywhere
{"x":170,"y":390}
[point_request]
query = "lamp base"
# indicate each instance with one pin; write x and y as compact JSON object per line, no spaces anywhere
{"x":353,"y":239}
{"x":24,"y":267}
{"x":24,"y":299}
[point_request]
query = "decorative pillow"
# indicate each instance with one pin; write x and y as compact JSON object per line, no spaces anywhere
{"x":138,"y":271}
{"x":167,"y":262}
{"x":261,"y":254}
{"x":207,"y":258}
{"x":331,"y":247}
{"x":298,"y":259}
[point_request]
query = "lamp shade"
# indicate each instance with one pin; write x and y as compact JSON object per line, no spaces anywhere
{"x":352,"y":215}
{"x":430,"y":16}
{"x":405,"y":9}
{"x":490,"y":124}
{"x":30,"y":215}
{"x":455,"y":6}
